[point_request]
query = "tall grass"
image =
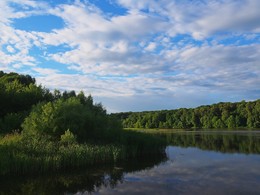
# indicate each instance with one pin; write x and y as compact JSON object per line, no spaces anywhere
{"x":31,"y":155}
{"x":23,"y":157}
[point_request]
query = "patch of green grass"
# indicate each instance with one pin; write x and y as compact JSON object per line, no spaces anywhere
{"x":34,"y":155}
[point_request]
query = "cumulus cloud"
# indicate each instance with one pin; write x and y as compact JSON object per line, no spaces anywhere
{"x":17,"y":43}
{"x":219,"y":67}
{"x":203,"y":18}
{"x":167,"y":49}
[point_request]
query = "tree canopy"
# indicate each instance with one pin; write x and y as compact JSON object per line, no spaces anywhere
{"x":33,"y":109}
{"x":222,"y":115}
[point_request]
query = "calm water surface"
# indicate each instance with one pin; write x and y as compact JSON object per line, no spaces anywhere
{"x":195,"y":163}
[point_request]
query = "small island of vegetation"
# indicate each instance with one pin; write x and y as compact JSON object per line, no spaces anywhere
{"x":44,"y":131}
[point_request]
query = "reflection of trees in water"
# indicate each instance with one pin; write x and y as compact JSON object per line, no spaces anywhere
{"x":224,"y":142}
{"x":84,"y":181}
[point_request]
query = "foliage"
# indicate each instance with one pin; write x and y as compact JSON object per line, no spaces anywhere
{"x":11,"y":122}
{"x":39,"y":153}
{"x":17,"y":95}
{"x":84,"y":120}
{"x":42,"y":131}
{"x":68,"y":138}
{"x":20,"y":155}
{"x":222,"y":115}
{"x":60,"y":110}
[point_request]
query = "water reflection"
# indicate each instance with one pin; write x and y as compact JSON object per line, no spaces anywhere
{"x":238,"y":142}
{"x":194,"y":171}
{"x":196,"y":163}
{"x":83,"y":181}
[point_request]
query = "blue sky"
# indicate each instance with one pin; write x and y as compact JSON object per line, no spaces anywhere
{"x":136,"y":55}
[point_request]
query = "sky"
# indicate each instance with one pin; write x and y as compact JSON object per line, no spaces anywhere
{"x":136,"y":55}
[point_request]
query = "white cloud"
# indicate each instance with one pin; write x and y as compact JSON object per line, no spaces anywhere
{"x":17,"y":44}
{"x":151,"y":47}
{"x":135,"y":55}
{"x":26,"y":8}
{"x":223,"y":72}
{"x":45,"y":71}
{"x":220,"y":67}
{"x":134,"y":4}
{"x":203,"y":18}
{"x":10,"y":49}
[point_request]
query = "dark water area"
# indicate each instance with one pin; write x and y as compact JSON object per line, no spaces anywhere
{"x":82,"y":181}
{"x":194,"y":163}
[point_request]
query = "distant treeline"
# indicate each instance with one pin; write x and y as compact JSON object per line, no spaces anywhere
{"x":222,"y":115}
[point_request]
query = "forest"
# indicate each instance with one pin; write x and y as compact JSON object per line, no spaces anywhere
{"x":217,"y":116}
{"x":43,"y":130}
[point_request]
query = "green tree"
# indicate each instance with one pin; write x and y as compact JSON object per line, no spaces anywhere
{"x":221,"y":115}
{"x":195,"y":120}
{"x":231,"y":122}
{"x":54,"y":118}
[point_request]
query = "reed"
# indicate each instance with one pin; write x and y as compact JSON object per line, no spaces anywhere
{"x":19,"y":155}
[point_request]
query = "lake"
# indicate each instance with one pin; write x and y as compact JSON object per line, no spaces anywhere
{"x":222,"y":162}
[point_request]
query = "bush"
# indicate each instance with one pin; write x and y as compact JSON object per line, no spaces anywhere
{"x":11,"y":122}
{"x":86,"y":122}
{"x":68,"y":138}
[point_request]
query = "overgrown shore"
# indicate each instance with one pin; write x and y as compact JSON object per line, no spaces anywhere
{"x":20,"y":155}
{"x":44,"y":131}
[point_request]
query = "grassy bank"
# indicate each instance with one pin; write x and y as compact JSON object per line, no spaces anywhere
{"x":20,"y":155}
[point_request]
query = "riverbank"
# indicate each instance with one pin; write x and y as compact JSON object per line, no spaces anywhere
{"x":22,"y":155}
{"x":158,"y":130}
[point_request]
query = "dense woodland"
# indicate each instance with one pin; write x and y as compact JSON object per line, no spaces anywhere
{"x":25,"y":105}
{"x":222,"y":115}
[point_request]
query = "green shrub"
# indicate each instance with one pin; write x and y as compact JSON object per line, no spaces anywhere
{"x":68,"y":138}
{"x":11,"y":122}
{"x":85,"y":121}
